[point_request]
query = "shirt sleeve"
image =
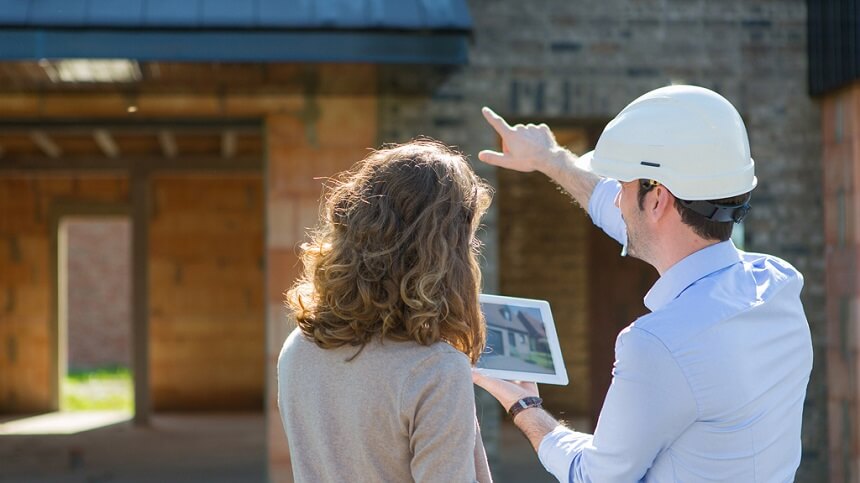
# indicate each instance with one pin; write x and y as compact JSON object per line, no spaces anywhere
{"x":604,"y":213}
{"x":648,"y":405}
{"x":438,"y":405}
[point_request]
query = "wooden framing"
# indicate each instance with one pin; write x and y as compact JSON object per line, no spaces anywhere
{"x":139,"y":171}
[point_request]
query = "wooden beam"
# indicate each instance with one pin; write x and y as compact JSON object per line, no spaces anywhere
{"x":168,"y":144}
{"x":116,"y":126}
{"x":2,"y":151}
{"x":46,"y":144}
{"x":19,"y":164}
{"x":107,"y":104}
{"x":106,"y":143}
{"x":228,"y":144}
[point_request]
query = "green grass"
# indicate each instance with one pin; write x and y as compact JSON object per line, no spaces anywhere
{"x":541,"y":359}
{"x":98,"y":390}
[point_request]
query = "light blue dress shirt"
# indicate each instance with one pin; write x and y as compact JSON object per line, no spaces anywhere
{"x":707,"y":387}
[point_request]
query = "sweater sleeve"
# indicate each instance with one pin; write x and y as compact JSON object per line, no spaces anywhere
{"x":482,"y":467}
{"x":438,"y":405}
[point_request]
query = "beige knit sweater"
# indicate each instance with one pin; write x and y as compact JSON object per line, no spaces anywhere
{"x":398,"y":412}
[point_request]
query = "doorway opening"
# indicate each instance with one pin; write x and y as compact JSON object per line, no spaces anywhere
{"x":94,"y":315}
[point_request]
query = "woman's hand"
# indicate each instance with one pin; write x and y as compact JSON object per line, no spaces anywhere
{"x":506,"y":392}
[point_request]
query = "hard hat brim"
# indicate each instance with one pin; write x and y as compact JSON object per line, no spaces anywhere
{"x":586,"y":163}
{"x":705,"y":184}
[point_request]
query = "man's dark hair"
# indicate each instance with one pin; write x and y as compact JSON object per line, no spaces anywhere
{"x":705,"y":228}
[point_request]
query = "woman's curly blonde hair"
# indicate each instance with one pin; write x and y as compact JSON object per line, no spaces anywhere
{"x":395,"y":254}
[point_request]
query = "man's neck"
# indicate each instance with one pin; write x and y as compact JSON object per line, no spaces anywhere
{"x":677,"y":247}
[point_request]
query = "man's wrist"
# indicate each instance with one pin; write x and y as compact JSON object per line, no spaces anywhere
{"x":556,"y":162}
{"x":535,"y":423}
{"x":530,"y":402}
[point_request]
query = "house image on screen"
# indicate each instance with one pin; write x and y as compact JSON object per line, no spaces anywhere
{"x":514,"y":333}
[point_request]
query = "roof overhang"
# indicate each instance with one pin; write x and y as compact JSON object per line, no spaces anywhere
{"x":199,"y":45}
{"x":376,"y":31}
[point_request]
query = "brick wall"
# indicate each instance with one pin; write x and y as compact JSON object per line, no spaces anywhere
{"x":207,"y":293}
{"x":301,"y":152}
{"x":99,"y":293}
{"x":206,"y":289}
{"x":543,"y":248}
{"x":841,"y":156}
{"x":568,"y":62}
{"x":26,"y":321}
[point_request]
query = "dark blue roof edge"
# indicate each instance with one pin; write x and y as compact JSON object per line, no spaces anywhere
{"x":385,"y":47}
{"x":203,"y":14}
{"x":235,"y":28}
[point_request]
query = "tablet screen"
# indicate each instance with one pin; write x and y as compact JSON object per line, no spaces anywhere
{"x":521,"y":341}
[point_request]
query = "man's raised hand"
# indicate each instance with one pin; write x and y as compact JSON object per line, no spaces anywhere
{"x":524,"y":148}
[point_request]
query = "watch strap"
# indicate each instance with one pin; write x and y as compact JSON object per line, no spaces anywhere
{"x":523,"y":404}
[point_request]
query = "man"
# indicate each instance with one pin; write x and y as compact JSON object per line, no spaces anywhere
{"x":709,"y":386}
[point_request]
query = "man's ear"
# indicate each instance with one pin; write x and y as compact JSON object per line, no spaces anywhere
{"x":661,"y":203}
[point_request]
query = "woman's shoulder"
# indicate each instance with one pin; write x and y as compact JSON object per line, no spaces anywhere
{"x":410,"y":350}
{"x":436,"y":359}
{"x":398,"y":355}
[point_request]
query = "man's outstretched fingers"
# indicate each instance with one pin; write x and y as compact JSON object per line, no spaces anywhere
{"x":492,"y":157}
{"x":498,"y":122}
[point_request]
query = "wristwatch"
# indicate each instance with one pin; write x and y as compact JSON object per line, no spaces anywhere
{"x":523,"y":404}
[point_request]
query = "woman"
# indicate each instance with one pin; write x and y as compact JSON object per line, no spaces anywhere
{"x":375,"y":383}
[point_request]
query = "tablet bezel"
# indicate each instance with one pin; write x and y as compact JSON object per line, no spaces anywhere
{"x":560,"y":375}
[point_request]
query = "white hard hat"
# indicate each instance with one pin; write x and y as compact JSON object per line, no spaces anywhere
{"x":689,"y":139}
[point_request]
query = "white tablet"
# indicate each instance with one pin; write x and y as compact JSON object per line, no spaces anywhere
{"x":522,"y":344}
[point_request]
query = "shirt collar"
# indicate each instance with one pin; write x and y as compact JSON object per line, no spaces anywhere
{"x":688,"y":271}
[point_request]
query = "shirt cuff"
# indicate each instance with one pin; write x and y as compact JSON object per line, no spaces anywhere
{"x":558,"y":449}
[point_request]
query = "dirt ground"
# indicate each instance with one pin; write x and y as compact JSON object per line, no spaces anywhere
{"x":176,"y":448}
{"x":186,"y":448}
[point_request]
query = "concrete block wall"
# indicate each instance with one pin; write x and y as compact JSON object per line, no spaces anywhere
{"x":573,"y":62}
{"x":26,"y":321}
{"x":207,"y":292}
